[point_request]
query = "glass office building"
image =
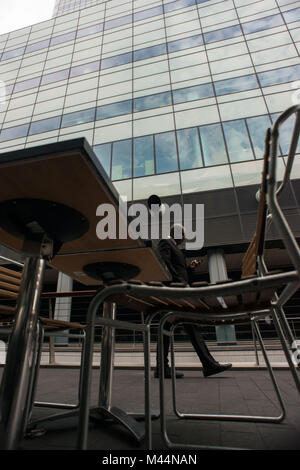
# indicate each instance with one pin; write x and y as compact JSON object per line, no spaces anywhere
{"x":174,"y":97}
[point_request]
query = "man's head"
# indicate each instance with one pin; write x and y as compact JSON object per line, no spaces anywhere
{"x":177,"y":233}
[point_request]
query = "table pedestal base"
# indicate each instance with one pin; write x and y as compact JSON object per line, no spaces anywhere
{"x":116,"y":414}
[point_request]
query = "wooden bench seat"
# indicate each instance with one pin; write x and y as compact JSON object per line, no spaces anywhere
{"x":10,"y":282}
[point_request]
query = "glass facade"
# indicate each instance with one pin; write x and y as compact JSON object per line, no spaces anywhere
{"x":174,"y":96}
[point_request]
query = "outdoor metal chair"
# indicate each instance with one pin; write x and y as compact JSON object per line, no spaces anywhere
{"x":249,"y":299}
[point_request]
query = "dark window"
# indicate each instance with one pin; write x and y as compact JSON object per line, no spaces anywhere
{"x":193,"y":93}
{"x":121,"y":160}
{"x":115,"y":60}
{"x":55,"y":77}
{"x":151,"y":51}
{"x":143,"y":152}
{"x":14,"y":132}
{"x":79,"y":117}
{"x":45,"y":125}
{"x":165,"y":151}
{"x":261,"y":24}
{"x":85,"y":68}
{"x":114,"y":109}
{"x":152,"y":101}
{"x":185,"y":43}
{"x":246,"y":82}
{"x":103,"y":153}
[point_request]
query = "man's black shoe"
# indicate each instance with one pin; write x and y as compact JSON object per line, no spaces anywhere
{"x":168,"y":374}
{"x":215,"y":369}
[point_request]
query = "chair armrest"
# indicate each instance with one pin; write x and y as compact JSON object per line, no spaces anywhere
{"x":292,"y":150}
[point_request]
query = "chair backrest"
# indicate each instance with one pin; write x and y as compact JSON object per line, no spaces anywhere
{"x":10,"y":281}
{"x":256,"y":246}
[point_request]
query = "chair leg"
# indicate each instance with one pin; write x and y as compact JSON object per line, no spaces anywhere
{"x":268,"y":419}
{"x":246,"y":418}
{"x":286,"y":349}
{"x":70,"y":409}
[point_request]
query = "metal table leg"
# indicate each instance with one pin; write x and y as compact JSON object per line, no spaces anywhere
{"x":104,"y":409}
{"x":16,"y":385}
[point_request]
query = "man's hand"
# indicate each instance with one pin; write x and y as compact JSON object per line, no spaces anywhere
{"x":195,"y":263}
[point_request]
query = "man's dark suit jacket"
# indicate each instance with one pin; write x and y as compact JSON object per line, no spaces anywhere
{"x":174,"y":259}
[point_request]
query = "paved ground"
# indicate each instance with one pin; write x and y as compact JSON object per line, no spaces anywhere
{"x":235,"y":391}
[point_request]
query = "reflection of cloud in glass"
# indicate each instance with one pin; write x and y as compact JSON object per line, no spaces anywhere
{"x":189,"y":148}
{"x":166,"y":154}
{"x":237,"y":141}
{"x":213,"y":146}
{"x":224,"y":33}
{"x":257,"y":127}
{"x":121,"y":163}
{"x":152,"y":101}
{"x":263,"y":23}
{"x":246,"y":82}
{"x":193,"y":93}
{"x":284,"y":74}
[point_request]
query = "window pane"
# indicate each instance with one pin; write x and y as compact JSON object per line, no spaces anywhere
{"x":143,"y":156}
{"x":95,"y":28}
{"x":179,"y":4}
{"x":118,"y":22}
{"x":248,"y":82}
{"x":185,"y":43}
{"x":285,"y":134}
{"x":147,"y":52}
{"x":120,"y":59}
{"x":45,"y":125}
{"x":140,"y":15}
{"x":263,"y":23}
{"x":13,"y":53}
{"x":79,"y":117}
{"x":103,"y":153}
{"x":237,"y":139}
{"x":85,"y":68}
{"x":152,"y":101}
{"x":165,"y":151}
{"x":213,"y":146}
{"x":27,"y":84}
{"x":292,"y":15}
{"x":224,"y":33}
{"x":37,"y":46}
{"x":193,"y":93}
{"x":63,"y":38}
{"x":189,"y":149}
{"x":114,"y":109}
{"x":121,"y":160}
{"x":257,"y":127}
{"x":55,"y":77}
{"x":14,"y":132}
{"x":282,"y":75}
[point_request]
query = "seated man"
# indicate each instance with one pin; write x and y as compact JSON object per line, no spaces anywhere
{"x":176,"y":263}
